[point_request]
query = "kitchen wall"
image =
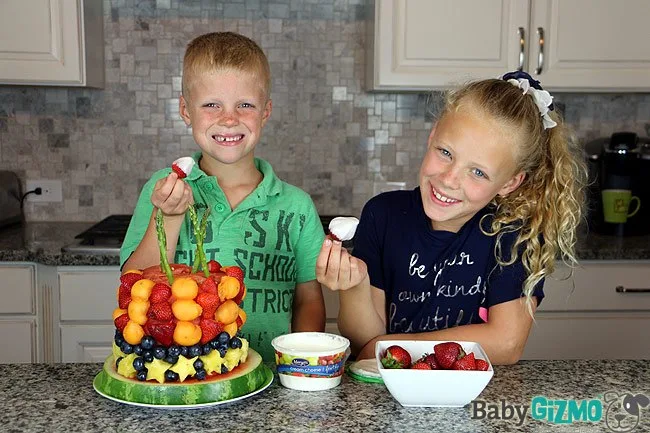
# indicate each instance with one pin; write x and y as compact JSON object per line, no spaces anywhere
{"x":326,"y":135}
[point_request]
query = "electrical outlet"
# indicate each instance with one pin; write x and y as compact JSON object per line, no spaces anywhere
{"x":51,"y":190}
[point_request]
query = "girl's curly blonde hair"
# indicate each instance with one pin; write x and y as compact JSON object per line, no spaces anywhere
{"x":548,"y":206}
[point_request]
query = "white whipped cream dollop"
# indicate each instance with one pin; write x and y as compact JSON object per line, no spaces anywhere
{"x":185,"y":163}
{"x":343,"y":227}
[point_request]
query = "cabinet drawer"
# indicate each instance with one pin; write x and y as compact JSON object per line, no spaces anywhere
{"x":18,"y":341}
{"x":599,"y":335}
{"x":17,"y":289}
{"x":595,"y":288}
{"x":88,"y":295}
{"x":86,"y":343}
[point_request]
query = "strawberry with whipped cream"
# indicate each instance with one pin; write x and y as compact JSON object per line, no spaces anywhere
{"x":183,"y":166}
{"x":343,"y":228}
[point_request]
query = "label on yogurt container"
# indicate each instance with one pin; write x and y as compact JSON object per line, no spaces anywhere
{"x":313,"y":366}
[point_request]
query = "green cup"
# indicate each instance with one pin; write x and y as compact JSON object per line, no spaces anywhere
{"x":616,"y":205}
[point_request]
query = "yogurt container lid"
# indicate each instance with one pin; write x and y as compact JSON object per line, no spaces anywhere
{"x":310,"y":343}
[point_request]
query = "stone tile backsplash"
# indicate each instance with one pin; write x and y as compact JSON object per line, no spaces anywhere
{"x":326,"y":135}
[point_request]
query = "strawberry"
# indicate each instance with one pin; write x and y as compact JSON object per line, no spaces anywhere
{"x":129,"y":279}
{"x":160,"y":311}
{"x":447,"y":353}
{"x":183,"y":166}
{"x":209,"y":302}
{"x":420,"y":365}
{"x":334,"y":237}
{"x":235,"y":271}
{"x":466,"y":362}
{"x":124,"y":297}
{"x":209,"y":329}
{"x":214,"y":266}
{"x":121,"y":321}
{"x":209,"y":286}
{"x":396,"y":357}
{"x":160,"y":292}
{"x":482,"y":364}
{"x":162,"y":332}
{"x":430,"y":360}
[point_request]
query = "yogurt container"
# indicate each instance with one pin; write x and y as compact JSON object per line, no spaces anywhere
{"x":310,"y":361}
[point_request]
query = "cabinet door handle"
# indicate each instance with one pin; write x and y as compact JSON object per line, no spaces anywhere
{"x":522,"y":48}
{"x":621,"y":289}
{"x":540,"y":55}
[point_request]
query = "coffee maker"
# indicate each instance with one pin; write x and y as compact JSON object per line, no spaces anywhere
{"x":620,"y":162}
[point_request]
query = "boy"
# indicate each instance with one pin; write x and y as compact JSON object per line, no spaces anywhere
{"x":265,"y":226}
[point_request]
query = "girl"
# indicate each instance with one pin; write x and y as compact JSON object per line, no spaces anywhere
{"x":499,"y":199}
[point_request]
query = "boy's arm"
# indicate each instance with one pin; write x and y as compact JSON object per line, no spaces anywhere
{"x":503,"y":336}
{"x":308,"y":308}
{"x":147,"y":253}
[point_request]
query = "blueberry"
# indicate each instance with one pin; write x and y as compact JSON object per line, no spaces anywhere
{"x":207,"y":349}
{"x":214,"y":343}
{"x":148,"y":356}
{"x":118,"y":361}
{"x":159,"y":352}
{"x":198,"y":365}
{"x":184,"y":351}
{"x":171,"y":376}
{"x":142,"y":374}
{"x":147,"y":342}
{"x":193,"y":351}
{"x":138,"y":364}
{"x":201,"y":374}
{"x":235,"y":343}
{"x":223,"y":337}
{"x":174,"y":350}
{"x":222,"y":351}
{"x":137,"y":349}
{"x":171,"y":359}
{"x":224,"y":369}
{"x":118,"y":339}
{"x":126,"y":348}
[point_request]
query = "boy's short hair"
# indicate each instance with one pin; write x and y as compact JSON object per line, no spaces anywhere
{"x":216,"y":51}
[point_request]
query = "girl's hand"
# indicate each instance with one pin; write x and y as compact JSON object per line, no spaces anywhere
{"x":337,"y":269}
{"x":172,"y":195}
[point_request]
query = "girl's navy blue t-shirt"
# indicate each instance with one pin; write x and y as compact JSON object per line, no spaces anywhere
{"x":433,"y":279}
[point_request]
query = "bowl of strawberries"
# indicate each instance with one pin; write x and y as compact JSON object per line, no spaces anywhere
{"x":433,"y":373}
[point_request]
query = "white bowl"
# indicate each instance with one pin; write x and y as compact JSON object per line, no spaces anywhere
{"x":426,"y":388}
{"x":310,"y":361}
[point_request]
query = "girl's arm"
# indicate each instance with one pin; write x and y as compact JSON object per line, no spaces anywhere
{"x":503,"y":337}
{"x":361,"y":306}
{"x":308,"y":309}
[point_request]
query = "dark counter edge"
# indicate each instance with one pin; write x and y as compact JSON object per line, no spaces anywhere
{"x":41,"y":242}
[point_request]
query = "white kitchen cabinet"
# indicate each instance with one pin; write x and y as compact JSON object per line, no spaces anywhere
{"x":592,"y":320}
{"x":578,"y":45}
{"x":20,"y":339}
{"x":52,"y":42}
{"x":87,"y":298}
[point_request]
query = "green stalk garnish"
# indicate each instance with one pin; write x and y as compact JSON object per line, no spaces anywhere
{"x":162,"y":245}
{"x":199,"y":235}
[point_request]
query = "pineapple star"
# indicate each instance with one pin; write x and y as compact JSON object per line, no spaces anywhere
{"x":184,"y":367}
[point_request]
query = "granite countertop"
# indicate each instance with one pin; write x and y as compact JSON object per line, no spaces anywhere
{"x":41,"y":242}
{"x":60,"y":398}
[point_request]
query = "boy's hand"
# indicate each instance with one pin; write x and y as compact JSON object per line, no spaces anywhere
{"x":172,"y":195}
{"x":337,"y":269}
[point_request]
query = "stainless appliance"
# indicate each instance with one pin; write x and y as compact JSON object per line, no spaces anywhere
{"x":621,"y":161}
{"x":103,"y":238}
{"x":106,"y":237}
{"x":11,"y":211}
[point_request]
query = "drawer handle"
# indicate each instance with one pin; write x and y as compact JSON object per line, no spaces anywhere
{"x":621,"y":289}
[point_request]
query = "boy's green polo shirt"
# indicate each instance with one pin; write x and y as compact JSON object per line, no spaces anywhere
{"x":274,"y":235}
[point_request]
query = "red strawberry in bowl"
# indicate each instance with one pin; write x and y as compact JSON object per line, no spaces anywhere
{"x":447,"y":353}
{"x":396,"y":357}
{"x":482,"y":365}
{"x":420,"y":365}
{"x":466,"y":362}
